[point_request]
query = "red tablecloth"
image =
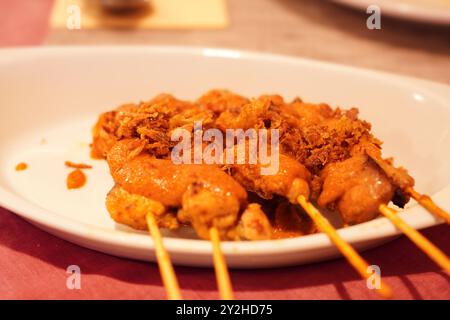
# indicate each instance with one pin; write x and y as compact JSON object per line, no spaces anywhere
{"x":33,"y":263}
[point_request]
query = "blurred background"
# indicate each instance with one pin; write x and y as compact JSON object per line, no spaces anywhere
{"x":413,"y":39}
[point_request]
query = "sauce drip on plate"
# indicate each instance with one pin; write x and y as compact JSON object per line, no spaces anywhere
{"x":76,"y":179}
{"x":21,"y":166}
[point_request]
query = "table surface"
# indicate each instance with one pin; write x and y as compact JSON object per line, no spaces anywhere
{"x":34,"y":263}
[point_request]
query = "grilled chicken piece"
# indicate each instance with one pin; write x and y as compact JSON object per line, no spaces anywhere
{"x":204,"y":206}
{"x":290,"y":181}
{"x":398,"y":176}
{"x":357,"y":186}
{"x":254,"y":224}
{"x":206,"y":195}
{"x":131,"y":209}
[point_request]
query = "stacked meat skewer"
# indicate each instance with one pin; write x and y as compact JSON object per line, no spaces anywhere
{"x":327,"y":156}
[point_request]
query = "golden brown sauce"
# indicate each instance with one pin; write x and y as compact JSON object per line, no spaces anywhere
{"x":71,"y":164}
{"x":21,"y":166}
{"x":76,"y":179}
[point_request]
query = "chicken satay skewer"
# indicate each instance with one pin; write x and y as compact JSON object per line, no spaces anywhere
{"x":419,"y":240}
{"x":204,"y":195}
{"x":296,"y":189}
{"x":426,"y":202}
{"x":358,"y":263}
{"x":423,"y":200}
{"x":220,"y":266}
{"x":165,"y":265}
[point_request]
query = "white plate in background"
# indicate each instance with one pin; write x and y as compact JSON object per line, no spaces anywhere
{"x":429,"y":11}
{"x":50,"y":98}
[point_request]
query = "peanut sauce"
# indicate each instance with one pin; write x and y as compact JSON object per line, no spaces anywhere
{"x":21,"y":166}
{"x":76,"y":179}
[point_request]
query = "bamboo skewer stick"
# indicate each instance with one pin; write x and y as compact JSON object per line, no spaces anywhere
{"x":220,"y":266}
{"x":358,"y":263}
{"x":429,"y":204}
{"x":168,"y":276}
{"x":419,"y":240}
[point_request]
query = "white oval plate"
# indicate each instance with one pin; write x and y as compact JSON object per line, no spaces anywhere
{"x":428,"y":11}
{"x":50,"y":98}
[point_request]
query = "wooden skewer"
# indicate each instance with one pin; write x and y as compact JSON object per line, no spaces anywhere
{"x":360,"y":265}
{"x":429,"y":204}
{"x":415,"y":236}
{"x":165,"y":266}
{"x":220,"y":266}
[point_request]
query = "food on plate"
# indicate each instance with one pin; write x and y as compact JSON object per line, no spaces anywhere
{"x":21,"y":166}
{"x":76,"y":179}
{"x":327,"y":155}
